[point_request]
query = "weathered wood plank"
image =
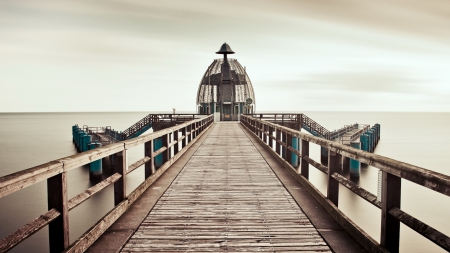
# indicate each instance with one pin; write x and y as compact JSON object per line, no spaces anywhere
{"x":26,"y":231}
{"x":229,"y":196}
{"x":138,"y":164}
{"x":80,"y":198}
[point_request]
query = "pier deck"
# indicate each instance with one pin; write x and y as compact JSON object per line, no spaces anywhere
{"x":226,"y":199}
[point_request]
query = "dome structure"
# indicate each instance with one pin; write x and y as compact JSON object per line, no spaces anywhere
{"x":225,"y":89}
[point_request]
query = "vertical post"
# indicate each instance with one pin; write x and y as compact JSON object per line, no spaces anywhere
{"x":277,"y":145}
{"x":264,"y":134}
{"x":95,"y":167}
{"x":58,"y":229}
{"x":166,"y":153}
{"x":270,"y":135}
{"x":355,"y":165}
{"x":390,"y":226}
{"x":120,"y":191}
{"x":176,"y":146}
{"x":294,"y":157}
{"x":288,"y":154}
{"x":304,"y":165}
{"x":149,"y":166}
{"x":333,"y":184}
{"x":183,"y":132}
{"x":157,"y":144}
{"x":323,"y":155}
{"x":283,"y":148}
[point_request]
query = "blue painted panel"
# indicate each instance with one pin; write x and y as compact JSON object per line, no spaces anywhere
{"x":355,"y":166}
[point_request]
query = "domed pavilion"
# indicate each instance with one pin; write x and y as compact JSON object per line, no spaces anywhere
{"x":225,"y":89}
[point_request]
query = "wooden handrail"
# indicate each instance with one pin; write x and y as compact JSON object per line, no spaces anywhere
{"x":392,"y":170}
{"x":55,"y":173}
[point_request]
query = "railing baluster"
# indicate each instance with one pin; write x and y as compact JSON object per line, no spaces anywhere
{"x":333,"y":184}
{"x":390,"y":198}
{"x":58,"y":230}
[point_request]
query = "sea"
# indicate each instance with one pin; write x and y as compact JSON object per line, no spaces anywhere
{"x":31,"y":139}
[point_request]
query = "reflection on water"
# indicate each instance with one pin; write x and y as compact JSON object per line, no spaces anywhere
{"x":28,"y":140}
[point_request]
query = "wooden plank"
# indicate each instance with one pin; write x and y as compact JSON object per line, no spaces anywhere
{"x":138,"y":164}
{"x":369,"y":197}
{"x":226,"y":196}
{"x":80,"y":198}
{"x":333,"y":184}
{"x":22,"y":179}
{"x":26,"y":231}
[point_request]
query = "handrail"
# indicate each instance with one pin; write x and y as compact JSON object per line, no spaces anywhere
{"x":392,"y":171}
{"x":55,"y":172}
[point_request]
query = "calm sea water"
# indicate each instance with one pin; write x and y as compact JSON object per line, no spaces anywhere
{"x":30,"y":139}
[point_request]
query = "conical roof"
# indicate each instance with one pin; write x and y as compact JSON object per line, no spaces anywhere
{"x":225,"y":49}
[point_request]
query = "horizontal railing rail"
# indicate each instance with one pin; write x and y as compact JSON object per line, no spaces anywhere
{"x":175,"y":141}
{"x":278,"y":139}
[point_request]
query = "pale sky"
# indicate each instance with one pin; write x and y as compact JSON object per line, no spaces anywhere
{"x":141,"y":55}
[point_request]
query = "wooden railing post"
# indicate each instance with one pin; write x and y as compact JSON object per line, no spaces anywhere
{"x":270,"y":135}
{"x":183,"y":132}
{"x":165,"y":153}
{"x":120,"y":189}
{"x":304,"y":165}
{"x":288,"y":152}
{"x":283,"y":148}
{"x":58,"y":230}
{"x":278,"y":145}
{"x":150,"y":165}
{"x":333,"y":184}
{"x":390,"y":197}
{"x":176,"y":146}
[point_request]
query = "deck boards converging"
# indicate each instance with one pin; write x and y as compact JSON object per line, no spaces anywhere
{"x":226,"y":198}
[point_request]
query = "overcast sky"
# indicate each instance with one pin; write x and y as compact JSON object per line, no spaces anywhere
{"x":140,"y":55}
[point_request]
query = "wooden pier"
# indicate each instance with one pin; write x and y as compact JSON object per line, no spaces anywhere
{"x":225,"y":187}
{"x":226,"y":198}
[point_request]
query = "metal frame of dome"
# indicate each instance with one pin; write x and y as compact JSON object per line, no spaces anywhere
{"x":207,"y":90}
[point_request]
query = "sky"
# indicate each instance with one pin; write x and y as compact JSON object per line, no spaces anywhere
{"x":301,"y":55}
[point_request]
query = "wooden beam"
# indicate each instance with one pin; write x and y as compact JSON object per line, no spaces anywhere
{"x":333,"y":184}
{"x":58,"y":229}
{"x":390,"y":198}
{"x":120,"y":190}
{"x":26,"y":231}
{"x":80,"y":198}
{"x":149,"y":166}
{"x":304,"y":165}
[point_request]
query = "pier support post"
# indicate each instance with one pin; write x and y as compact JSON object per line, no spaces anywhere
{"x":355,"y":165}
{"x":87,"y":139}
{"x":333,"y":184}
{"x":95,"y":167}
{"x":58,"y":229}
{"x":294,"y":157}
{"x":183,"y":133}
{"x":390,"y":226}
{"x":158,"y":143}
{"x":120,"y":189}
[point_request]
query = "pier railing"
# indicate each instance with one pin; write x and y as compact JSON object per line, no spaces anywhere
{"x":175,"y":141}
{"x":272,"y":135}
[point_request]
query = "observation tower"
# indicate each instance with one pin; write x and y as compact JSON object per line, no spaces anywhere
{"x":225,"y":89}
